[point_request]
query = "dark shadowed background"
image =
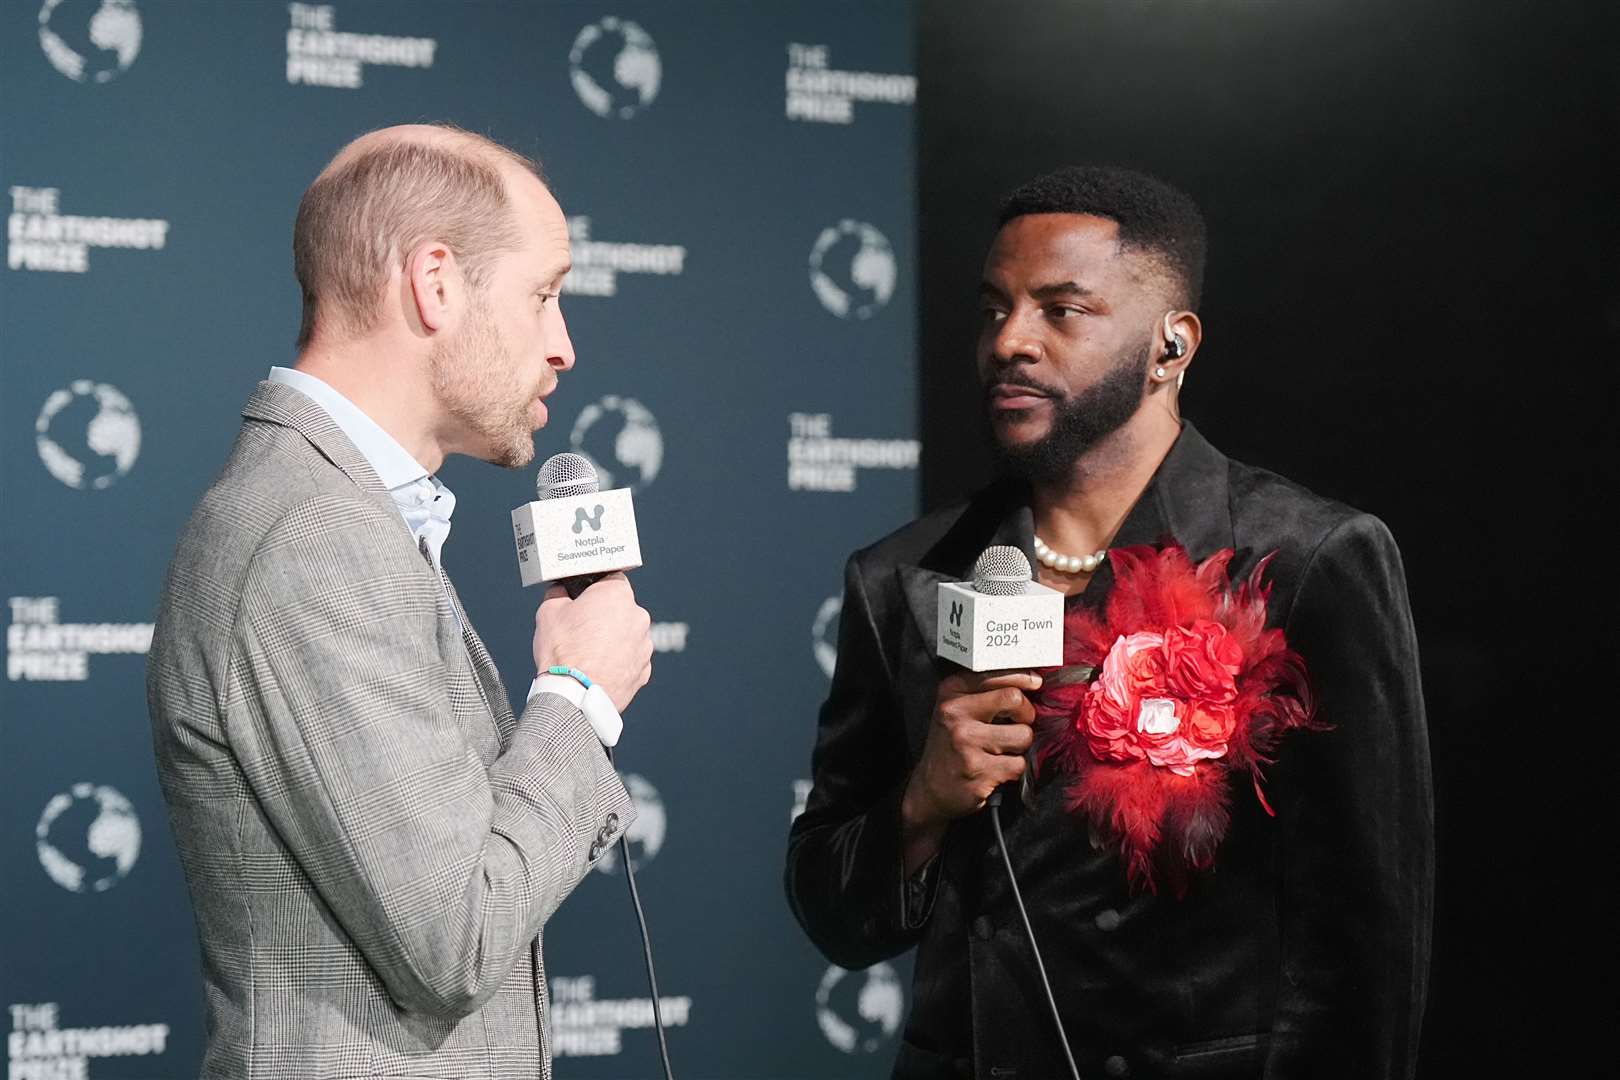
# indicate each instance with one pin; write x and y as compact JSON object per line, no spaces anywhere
{"x":1409,"y":307}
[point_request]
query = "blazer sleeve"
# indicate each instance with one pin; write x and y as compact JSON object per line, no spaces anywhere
{"x":1355,"y":810}
{"x":845,"y":876}
{"x":440,"y":870}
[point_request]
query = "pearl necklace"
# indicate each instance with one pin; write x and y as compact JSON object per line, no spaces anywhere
{"x":1068,"y":564}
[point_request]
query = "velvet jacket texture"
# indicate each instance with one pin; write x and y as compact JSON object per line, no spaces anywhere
{"x":1303,"y":952}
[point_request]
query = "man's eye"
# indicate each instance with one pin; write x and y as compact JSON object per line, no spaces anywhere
{"x":990,"y":314}
{"x":1064,"y":312}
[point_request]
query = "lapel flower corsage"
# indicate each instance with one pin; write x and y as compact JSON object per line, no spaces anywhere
{"x":1167,"y":694}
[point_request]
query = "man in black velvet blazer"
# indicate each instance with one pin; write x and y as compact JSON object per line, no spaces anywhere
{"x":1302,"y":952}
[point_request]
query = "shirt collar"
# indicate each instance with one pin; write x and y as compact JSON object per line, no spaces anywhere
{"x":393,"y":464}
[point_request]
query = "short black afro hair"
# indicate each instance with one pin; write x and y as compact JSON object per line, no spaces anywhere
{"x":1152,"y":216}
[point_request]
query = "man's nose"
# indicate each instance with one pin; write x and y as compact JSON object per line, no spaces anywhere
{"x":1014,"y":341}
{"x":559,"y":347}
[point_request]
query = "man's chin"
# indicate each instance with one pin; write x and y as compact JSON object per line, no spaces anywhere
{"x":1018,"y":431}
{"x":515,"y":454}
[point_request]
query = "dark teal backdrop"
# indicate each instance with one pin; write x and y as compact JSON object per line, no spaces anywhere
{"x":741,"y":180}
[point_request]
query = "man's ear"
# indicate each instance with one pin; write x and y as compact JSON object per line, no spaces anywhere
{"x":432,"y":280}
{"x":1179,"y":335}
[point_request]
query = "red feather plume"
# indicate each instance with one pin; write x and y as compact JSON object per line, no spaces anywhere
{"x":1186,"y":688}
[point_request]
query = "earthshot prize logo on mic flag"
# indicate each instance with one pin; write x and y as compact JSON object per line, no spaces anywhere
{"x":90,"y":42}
{"x":615,"y":68}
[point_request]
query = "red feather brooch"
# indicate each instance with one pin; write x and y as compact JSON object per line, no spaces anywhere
{"x":1164,"y":696}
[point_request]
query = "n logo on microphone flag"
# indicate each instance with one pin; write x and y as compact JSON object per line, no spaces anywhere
{"x":956,"y":613}
{"x":593,"y":519}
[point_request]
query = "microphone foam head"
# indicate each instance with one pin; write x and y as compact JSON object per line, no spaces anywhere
{"x":565,"y":475}
{"x":1001,"y":571}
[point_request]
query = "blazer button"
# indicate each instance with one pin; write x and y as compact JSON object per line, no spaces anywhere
{"x":1117,"y":1066}
{"x":596,"y":851}
{"x":982,"y":928}
{"x":1107,"y":920}
{"x":611,"y":823}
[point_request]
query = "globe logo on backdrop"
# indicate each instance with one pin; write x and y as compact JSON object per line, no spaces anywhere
{"x":88,"y":838}
{"x":860,"y":1011}
{"x":88,"y":435}
{"x":622,"y":440}
{"x":90,"y":41}
{"x":824,"y":634}
{"x":615,"y":68}
{"x":646,"y":833}
{"x":852,"y":269}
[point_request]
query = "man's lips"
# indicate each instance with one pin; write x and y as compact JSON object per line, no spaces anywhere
{"x":1013,"y":396}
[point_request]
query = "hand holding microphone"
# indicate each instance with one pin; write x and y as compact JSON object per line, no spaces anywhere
{"x":581,"y":539}
{"x":983,"y":720}
{"x":602,"y":632}
{"x":982,"y":725}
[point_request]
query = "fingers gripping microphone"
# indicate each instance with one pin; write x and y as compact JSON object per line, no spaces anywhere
{"x":574,"y":533}
{"x":1002,"y":619}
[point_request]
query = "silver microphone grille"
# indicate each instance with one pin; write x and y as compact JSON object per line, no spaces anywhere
{"x":1001,"y":571}
{"x":565,"y":475}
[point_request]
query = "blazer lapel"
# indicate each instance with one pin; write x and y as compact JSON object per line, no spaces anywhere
{"x":1193,"y":498}
{"x":280,"y":404}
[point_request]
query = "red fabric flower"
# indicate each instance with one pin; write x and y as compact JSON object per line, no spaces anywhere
{"x":1187,"y":686}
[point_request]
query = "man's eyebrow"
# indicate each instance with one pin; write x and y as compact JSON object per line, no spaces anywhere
{"x":1059,"y":289}
{"x":561,"y":271}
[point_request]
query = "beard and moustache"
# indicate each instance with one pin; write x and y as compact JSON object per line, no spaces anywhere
{"x":1079,"y":422}
{"x":475,"y":380}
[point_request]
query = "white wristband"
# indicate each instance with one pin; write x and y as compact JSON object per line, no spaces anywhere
{"x":593,"y":702}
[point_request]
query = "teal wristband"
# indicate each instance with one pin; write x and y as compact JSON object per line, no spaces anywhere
{"x":573,"y":673}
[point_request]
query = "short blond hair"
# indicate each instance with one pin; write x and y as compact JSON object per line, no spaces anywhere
{"x":376,"y":202}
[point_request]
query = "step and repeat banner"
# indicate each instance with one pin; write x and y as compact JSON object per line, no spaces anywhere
{"x":739,"y":184}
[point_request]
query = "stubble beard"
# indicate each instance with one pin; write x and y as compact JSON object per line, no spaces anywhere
{"x":1080,"y":422}
{"x":474,"y":380}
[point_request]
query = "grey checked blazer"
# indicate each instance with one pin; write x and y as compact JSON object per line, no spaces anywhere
{"x":372,"y":840}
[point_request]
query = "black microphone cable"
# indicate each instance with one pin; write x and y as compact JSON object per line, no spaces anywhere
{"x":646,"y":943}
{"x":994,"y":803}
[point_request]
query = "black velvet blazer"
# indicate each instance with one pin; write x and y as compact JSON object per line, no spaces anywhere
{"x":1303,"y":953}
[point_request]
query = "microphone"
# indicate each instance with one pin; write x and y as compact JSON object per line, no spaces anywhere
{"x":1002,"y":619}
{"x":574,"y":533}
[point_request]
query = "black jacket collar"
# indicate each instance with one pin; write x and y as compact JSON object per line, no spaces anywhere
{"x":1187,"y":501}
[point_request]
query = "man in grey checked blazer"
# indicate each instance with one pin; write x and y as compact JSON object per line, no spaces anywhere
{"x":372,"y":839}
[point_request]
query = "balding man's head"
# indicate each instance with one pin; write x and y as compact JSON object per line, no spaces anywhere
{"x":387,"y":192}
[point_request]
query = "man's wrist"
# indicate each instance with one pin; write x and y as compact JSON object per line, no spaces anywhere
{"x":921,"y":835}
{"x":586,"y":696}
